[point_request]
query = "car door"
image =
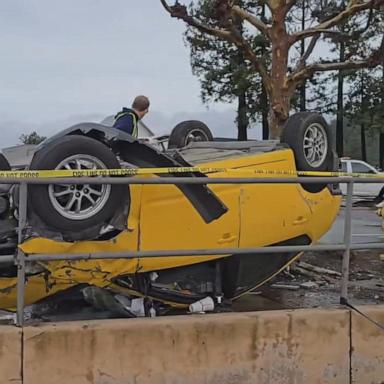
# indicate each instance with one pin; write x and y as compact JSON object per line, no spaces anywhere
{"x":272,"y":213}
{"x":168,"y":221}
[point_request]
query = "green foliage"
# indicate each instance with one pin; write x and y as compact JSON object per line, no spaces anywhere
{"x":362,"y":101}
{"x":365,"y":104}
{"x":325,"y":77}
{"x":31,"y":138}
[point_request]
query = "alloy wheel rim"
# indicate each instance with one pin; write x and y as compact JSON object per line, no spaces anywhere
{"x":315,"y":145}
{"x":196,"y":135}
{"x":79,"y":202}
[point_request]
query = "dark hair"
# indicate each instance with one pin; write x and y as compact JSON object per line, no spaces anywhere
{"x":141,"y":103}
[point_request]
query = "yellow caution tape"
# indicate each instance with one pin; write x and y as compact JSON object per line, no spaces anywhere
{"x":45,"y":174}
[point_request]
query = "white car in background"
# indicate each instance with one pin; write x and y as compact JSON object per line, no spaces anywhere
{"x":361,"y":189}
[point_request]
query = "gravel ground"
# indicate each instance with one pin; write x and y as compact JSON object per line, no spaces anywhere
{"x":366,"y":284}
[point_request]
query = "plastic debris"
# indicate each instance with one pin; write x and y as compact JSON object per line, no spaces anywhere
{"x":135,"y":306}
{"x":204,"y":305}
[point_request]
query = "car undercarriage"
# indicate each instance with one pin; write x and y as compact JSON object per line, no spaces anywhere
{"x":74,"y":219}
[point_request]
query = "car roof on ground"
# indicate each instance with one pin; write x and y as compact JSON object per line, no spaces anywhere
{"x":19,"y":156}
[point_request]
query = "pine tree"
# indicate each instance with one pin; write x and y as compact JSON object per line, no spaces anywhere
{"x":31,"y":138}
{"x":224,"y":73}
{"x":280,"y":78}
{"x":352,"y":39}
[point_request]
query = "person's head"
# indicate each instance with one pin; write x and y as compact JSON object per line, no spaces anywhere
{"x":141,"y":106}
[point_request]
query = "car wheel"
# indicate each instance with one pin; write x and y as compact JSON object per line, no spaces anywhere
{"x":310,"y":138}
{"x":74,"y":208}
{"x":187,"y":132}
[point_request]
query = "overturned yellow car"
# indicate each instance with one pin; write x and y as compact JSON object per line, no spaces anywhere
{"x":95,"y":218}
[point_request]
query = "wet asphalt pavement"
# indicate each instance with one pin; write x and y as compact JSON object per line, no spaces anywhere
{"x":366,"y":227}
{"x":366,"y":284}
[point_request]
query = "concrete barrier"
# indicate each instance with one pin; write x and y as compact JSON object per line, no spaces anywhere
{"x":276,"y":347}
{"x":10,"y":355}
{"x":368,"y":346}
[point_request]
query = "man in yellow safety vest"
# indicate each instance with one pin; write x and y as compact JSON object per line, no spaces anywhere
{"x":127,"y":119}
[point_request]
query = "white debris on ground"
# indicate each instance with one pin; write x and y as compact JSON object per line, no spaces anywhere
{"x":309,"y":285}
{"x":201,"y":306}
{"x":7,"y":317}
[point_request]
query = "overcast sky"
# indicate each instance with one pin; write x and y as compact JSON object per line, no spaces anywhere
{"x":66,"y":61}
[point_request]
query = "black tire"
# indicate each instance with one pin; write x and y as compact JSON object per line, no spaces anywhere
{"x":180,"y":135}
{"x":50,"y":157}
{"x":294,"y":133}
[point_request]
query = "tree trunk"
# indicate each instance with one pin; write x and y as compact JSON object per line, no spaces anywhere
{"x":363,"y":145}
{"x":381,"y":139}
{"x":362,"y":126}
{"x":279,"y":92}
{"x":242,"y":108}
{"x":381,"y":150}
{"x":264,"y":113}
{"x":303,"y":97}
{"x":280,"y":102}
{"x":303,"y":88}
{"x":264,"y":95}
{"x":242,"y":119}
{"x":340,"y":106}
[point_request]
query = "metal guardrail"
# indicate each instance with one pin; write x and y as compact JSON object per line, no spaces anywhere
{"x":21,"y":259}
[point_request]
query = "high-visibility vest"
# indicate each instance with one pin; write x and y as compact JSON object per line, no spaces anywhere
{"x":135,"y":131}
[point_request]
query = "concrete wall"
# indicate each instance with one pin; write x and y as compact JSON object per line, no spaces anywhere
{"x":276,"y":347}
{"x":287,"y":347}
{"x":10,"y":355}
{"x":368,"y":346}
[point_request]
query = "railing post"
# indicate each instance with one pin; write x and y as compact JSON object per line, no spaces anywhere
{"x":347,"y":243}
{"x":20,"y":257}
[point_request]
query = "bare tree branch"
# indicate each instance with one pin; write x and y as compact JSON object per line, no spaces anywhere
{"x":305,"y":73}
{"x":255,"y":21}
{"x":291,"y":3}
{"x":232,"y":35}
{"x":284,"y":5}
{"x":166,"y":6}
{"x":309,"y":71}
{"x":257,"y":62}
{"x":353,"y":7}
{"x":180,"y":12}
{"x":308,"y":52}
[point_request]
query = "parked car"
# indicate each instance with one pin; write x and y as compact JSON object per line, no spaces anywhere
{"x":359,"y":166}
{"x":89,"y":218}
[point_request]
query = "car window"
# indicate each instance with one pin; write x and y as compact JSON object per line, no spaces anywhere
{"x":361,"y":168}
{"x":344,"y":166}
